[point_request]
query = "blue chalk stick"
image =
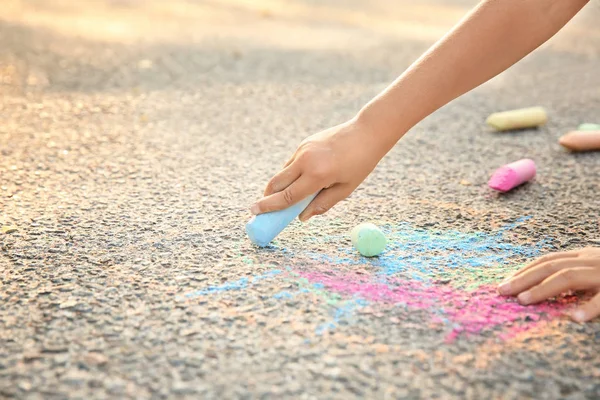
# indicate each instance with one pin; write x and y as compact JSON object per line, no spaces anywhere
{"x":263,"y":228}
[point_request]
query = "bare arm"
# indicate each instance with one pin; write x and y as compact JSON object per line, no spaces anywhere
{"x":491,"y":38}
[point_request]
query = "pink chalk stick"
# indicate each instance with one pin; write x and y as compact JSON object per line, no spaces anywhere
{"x":512,"y":175}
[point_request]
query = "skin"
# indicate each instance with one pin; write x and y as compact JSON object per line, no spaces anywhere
{"x":492,"y":37}
{"x":558,"y":273}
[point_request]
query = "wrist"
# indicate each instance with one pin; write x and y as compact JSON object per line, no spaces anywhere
{"x":384,"y":128}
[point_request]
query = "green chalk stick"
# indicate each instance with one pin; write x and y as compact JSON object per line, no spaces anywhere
{"x":588,"y":127}
{"x":368,"y":239}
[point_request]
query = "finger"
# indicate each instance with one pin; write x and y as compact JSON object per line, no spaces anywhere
{"x":282,"y":179}
{"x":290,"y":161}
{"x":580,"y":278}
{"x":547,"y":258}
{"x":535,"y":275}
{"x":300,"y":189}
{"x":325,"y":200}
{"x":588,"y":311}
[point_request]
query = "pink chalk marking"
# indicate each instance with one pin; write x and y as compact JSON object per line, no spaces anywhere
{"x":512,"y":175}
{"x":468,"y":312}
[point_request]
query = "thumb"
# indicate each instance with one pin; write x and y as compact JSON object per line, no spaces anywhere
{"x":325,"y":200}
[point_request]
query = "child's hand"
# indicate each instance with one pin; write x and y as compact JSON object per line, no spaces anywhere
{"x":336,"y":160}
{"x":557,"y":273}
{"x":492,"y":37}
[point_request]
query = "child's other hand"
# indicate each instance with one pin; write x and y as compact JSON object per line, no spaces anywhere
{"x":557,"y":273}
{"x":336,"y":160}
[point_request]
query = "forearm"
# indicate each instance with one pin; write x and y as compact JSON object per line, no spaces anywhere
{"x":491,"y":38}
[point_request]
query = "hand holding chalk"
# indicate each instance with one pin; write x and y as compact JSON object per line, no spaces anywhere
{"x":335,"y":160}
{"x":263,"y":228}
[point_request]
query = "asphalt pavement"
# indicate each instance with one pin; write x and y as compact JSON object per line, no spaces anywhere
{"x":134,"y":136}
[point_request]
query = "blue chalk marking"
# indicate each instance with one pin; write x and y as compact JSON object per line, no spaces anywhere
{"x":426,"y":251}
{"x":327,"y":326}
{"x":420,"y":252}
{"x":234,"y":285}
{"x":263,"y":228}
{"x":512,"y":226}
{"x":284,"y":294}
{"x":415,"y":253}
{"x":266,"y":275}
{"x":342,"y":313}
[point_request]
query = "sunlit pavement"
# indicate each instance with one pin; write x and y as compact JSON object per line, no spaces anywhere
{"x":134,"y":135}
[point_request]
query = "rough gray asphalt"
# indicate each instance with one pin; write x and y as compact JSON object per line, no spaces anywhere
{"x":134,"y":136}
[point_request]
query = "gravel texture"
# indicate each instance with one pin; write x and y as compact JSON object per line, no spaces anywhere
{"x":134,"y":135}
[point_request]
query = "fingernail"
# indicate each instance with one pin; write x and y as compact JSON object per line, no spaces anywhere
{"x":504,"y":287}
{"x":304,"y":218}
{"x":254,"y":209}
{"x":524,"y":298}
{"x":579,"y":315}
